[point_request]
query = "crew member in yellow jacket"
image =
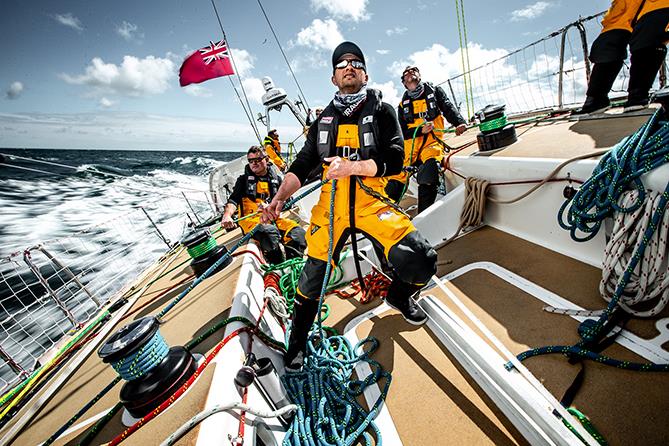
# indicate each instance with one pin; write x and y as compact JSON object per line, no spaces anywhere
{"x":644,"y":26}
{"x":426,"y":105}
{"x":256,"y":186}
{"x":358,"y":141}
{"x":273,"y":149}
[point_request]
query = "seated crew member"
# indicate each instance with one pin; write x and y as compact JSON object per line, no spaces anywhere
{"x":254,"y":187}
{"x":644,"y":26}
{"x":273,"y":149}
{"x":423,"y":103}
{"x":358,"y":141}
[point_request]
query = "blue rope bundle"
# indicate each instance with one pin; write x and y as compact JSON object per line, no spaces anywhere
{"x":143,"y":360}
{"x":328,"y":412}
{"x":619,"y":170}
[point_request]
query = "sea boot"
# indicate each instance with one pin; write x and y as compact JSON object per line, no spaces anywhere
{"x":304,"y":314}
{"x":427,"y":194}
{"x":645,"y":64}
{"x":601,"y":80}
{"x":401,"y":297}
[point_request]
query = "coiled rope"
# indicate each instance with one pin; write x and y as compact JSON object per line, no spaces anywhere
{"x":599,"y":198}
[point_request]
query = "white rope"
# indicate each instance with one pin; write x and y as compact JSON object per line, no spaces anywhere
{"x":190,"y":424}
{"x":649,"y":283}
{"x":278,"y":304}
{"x":648,"y":286}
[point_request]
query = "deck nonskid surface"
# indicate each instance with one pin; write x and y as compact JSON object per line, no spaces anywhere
{"x":625,"y":406}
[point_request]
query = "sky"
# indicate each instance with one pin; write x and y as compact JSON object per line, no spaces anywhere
{"x":104,"y":75}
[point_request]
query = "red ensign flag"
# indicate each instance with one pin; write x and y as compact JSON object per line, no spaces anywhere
{"x":206,"y":63}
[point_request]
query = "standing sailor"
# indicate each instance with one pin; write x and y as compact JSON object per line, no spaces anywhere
{"x":423,"y":103}
{"x":256,"y":186}
{"x":273,"y":149}
{"x":358,"y":141}
{"x":644,"y":26}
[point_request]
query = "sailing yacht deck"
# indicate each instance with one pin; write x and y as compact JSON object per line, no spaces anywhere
{"x":433,"y":397}
{"x":207,"y":304}
{"x":560,"y":137}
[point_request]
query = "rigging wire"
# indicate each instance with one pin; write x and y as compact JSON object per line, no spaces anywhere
{"x":234,"y":64}
{"x":304,"y":98}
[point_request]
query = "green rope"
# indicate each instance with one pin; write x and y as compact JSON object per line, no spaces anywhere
{"x":202,"y":248}
{"x":619,"y":170}
{"x":587,"y":424}
{"x":493,"y":124}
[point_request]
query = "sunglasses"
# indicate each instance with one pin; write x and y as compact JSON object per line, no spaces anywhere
{"x":255,"y":160}
{"x":354,"y":63}
{"x":410,"y":70}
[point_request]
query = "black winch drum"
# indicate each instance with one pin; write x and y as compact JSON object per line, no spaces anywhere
{"x":498,"y":139}
{"x":202,"y":261}
{"x":140,"y":396}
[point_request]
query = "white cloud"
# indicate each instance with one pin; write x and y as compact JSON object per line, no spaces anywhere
{"x":14,"y":91}
{"x":355,"y":10}
{"x":382,"y":52}
{"x":321,"y":34}
{"x":197,"y":91}
{"x":129,"y":31}
{"x":133,"y":77}
{"x":68,"y":19}
{"x":254,"y":89}
{"x":243,"y":60}
{"x":398,"y":30}
{"x":390,"y":92}
{"x":107,"y":103}
{"x":524,"y":81}
{"x":437,"y":63}
{"x":530,"y":11}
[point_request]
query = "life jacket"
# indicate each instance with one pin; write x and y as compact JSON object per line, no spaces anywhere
{"x":343,"y":140}
{"x":424,"y":108}
{"x":272,"y":142}
{"x":335,"y":139}
{"x":258,"y":189}
{"x":624,"y":13}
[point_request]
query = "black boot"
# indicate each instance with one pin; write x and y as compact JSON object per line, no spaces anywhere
{"x":400,"y":297}
{"x":304,"y":314}
{"x":274,"y":257}
{"x":427,"y":194}
{"x":601,"y":80}
{"x":644,"y":65}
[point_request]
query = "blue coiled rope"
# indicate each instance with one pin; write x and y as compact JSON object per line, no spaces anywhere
{"x":328,"y":412}
{"x":143,"y":360}
{"x":619,"y":170}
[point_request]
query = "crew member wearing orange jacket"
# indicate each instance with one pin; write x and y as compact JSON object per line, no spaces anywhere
{"x":273,"y":149}
{"x":644,"y":26}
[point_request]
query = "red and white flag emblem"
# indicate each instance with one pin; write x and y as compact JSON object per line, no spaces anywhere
{"x":206,"y":63}
{"x":214,"y":51}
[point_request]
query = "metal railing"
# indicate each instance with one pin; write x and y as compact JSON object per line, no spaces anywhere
{"x":548,"y":74}
{"x":49,"y":291}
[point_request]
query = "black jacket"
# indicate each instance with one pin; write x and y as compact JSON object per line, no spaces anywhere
{"x":389,"y":152}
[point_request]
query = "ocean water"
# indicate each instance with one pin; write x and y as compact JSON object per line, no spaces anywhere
{"x":47,"y":196}
{"x":40,"y":201}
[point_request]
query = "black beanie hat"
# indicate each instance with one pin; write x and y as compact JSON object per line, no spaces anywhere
{"x":346,"y":48}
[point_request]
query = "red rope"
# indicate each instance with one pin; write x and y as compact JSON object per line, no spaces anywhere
{"x":248,"y":251}
{"x":376,"y":284}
